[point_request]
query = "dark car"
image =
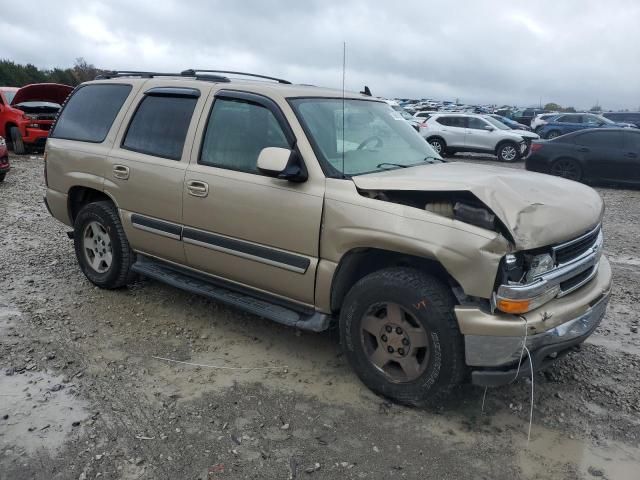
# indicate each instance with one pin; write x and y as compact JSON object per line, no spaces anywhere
{"x":4,"y":159}
{"x":571,"y":122}
{"x":600,"y":155}
{"x":626,"y":117}
{"x":525,"y":116}
{"x":513,"y":125}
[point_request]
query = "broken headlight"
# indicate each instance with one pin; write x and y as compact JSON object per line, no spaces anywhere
{"x":538,"y":265}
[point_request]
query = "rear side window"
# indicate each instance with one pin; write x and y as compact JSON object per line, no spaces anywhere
{"x":452,"y":121}
{"x":159,"y":126}
{"x":90,"y":112}
{"x":601,"y":139}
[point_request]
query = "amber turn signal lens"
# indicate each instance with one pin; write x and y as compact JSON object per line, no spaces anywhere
{"x":513,"y":306}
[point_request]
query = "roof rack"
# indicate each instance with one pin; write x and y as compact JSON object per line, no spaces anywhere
{"x":193,"y":72}
{"x":141,"y":74}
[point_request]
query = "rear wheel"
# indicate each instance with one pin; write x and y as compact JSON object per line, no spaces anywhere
{"x":567,"y":168}
{"x":438,"y":145}
{"x":401,"y":337}
{"x":16,"y":140}
{"x":101,"y":245}
{"x":508,"y":152}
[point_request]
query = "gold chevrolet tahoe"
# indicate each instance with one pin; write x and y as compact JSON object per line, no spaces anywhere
{"x":311,"y":207}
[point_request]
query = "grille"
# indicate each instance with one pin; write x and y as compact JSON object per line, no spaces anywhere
{"x":577,"y":280}
{"x":570,"y":250}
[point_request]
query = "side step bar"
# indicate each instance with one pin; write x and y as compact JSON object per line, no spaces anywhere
{"x":244,"y":300}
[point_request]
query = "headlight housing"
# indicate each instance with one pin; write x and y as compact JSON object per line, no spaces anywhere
{"x":2,"y":142}
{"x":538,"y":265}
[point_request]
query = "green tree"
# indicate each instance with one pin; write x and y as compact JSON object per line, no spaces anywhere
{"x":553,"y":107}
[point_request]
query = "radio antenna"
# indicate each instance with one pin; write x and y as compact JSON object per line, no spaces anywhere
{"x":344,"y":74}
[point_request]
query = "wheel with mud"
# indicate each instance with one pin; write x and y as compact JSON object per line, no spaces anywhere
{"x":101,"y":246}
{"x":401,"y":337}
{"x":17,"y":142}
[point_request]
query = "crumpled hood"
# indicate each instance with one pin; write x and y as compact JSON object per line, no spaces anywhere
{"x":537,"y":209}
{"x":42,"y":92}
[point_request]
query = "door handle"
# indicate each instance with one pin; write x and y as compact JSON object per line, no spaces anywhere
{"x":197,"y":188}
{"x":583,"y":149}
{"x":121,"y":172}
{"x":632,"y":155}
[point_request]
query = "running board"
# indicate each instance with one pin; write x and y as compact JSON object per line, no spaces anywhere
{"x":199,"y":284}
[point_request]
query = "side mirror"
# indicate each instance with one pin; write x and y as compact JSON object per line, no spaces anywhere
{"x":489,"y":128}
{"x":281,"y":163}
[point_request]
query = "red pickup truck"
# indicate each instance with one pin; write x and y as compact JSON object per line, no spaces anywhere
{"x":27,"y":113}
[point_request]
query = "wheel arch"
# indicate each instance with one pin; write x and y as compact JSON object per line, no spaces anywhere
{"x":78,"y":196}
{"x":360,"y":262}
{"x":503,"y":142}
{"x":435,"y":136}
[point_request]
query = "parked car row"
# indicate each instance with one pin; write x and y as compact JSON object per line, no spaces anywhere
{"x":561,"y":124}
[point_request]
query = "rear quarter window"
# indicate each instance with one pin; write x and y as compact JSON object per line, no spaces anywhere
{"x":90,"y":112}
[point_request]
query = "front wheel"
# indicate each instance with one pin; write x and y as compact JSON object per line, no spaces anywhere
{"x":509,"y":152}
{"x":567,"y":168}
{"x":101,"y":246}
{"x":401,"y":337}
{"x":17,"y":142}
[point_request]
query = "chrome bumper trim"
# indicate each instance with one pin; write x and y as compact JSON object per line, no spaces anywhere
{"x":550,"y":279}
{"x":493,"y":351}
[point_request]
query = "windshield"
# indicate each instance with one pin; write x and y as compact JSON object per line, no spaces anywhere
{"x":375,"y":136}
{"x":599,"y":119}
{"x":406,"y":115}
{"x":9,"y":94}
{"x":496,"y":123}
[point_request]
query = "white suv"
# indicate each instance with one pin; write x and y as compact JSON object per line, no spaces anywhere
{"x":457,"y":132}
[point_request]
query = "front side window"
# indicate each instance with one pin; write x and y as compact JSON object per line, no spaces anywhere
{"x":237,"y":131}
{"x":569,"y":119}
{"x":371,"y":138}
{"x":8,"y":94}
{"x":159,"y":126}
{"x":90,"y":112}
{"x":497,"y":123}
{"x":476,"y":123}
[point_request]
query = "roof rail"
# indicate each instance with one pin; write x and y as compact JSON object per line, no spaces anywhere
{"x":192,"y":72}
{"x":141,"y":74}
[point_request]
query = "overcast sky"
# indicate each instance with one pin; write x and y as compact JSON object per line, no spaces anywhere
{"x":574,"y":52}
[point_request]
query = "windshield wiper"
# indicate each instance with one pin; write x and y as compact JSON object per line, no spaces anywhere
{"x":391,"y":164}
{"x":432,"y":159}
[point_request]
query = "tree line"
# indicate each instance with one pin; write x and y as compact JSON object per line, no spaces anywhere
{"x":16,"y":75}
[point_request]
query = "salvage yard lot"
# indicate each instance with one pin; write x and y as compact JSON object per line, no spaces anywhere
{"x":82,"y":394}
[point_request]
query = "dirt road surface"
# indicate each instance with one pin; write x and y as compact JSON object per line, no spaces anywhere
{"x":85,"y":392}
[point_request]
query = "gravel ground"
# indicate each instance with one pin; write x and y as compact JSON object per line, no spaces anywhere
{"x":82,"y":396}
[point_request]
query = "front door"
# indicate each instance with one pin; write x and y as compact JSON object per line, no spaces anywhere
{"x":240,"y":225}
{"x":477,"y":136}
{"x":603,"y":151}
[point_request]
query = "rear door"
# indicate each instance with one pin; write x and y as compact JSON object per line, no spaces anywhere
{"x":632,"y":155}
{"x":454,"y":129}
{"x":239,"y":224}
{"x":603,"y":152}
{"x":147,"y":165}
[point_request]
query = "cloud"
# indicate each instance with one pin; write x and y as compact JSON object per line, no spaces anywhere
{"x":574,"y":52}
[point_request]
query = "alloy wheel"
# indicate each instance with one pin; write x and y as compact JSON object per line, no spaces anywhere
{"x":508,"y":153}
{"x":436,"y":145}
{"x":566,"y":169}
{"x":96,"y":245}
{"x":395,"y":343}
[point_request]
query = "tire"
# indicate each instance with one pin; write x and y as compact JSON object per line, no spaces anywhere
{"x":99,"y":221}
{"x":552,"y":134}
{"x":508,"y":152}
{"x":438,"y":145}
{"x":424,"y":304}
{"x":2,"y":175}
{"x":567,"y":168}
{"x":16,"y":141}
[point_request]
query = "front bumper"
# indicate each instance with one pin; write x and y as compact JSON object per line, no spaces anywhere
{"x":493,"y":342}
